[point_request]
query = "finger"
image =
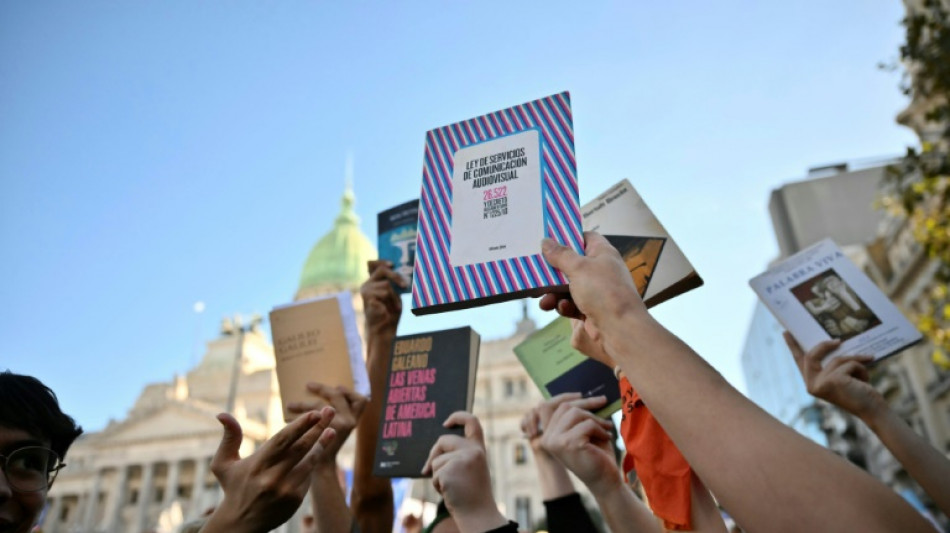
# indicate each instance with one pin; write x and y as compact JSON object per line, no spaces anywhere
{"x":549,"y":301}
{"x":854,"y":369}
{"x":529,"y":424}
{"x":324,"y":440}
{"x":797,"y":353}
{"x":283,"y":442}
{"x":564,"y":397}
{"x":334,"y":397}
{"x":229,"y":448}
{"x":567,"y":416}
{"x":445,"y":444}
{"x":569,"y":309}
{"x":589,"y":430}
{"x":596,"y":244}
{"x":472,"y":428}
{"x":813,"y":359}
{"x":357,"y":402}
{"x":373,"y":267}
{"x":560,"y":257}
{"x":591,"y":403}
{"x":303,"y":407}
{"x":308,"y":441}
{"x":854,"y":365}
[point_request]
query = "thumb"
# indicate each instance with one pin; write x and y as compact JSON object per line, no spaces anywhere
{"x":559,"y":256}
{"x":228,"y":449}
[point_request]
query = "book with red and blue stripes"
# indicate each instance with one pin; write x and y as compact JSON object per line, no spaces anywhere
{"x":492,"y":188}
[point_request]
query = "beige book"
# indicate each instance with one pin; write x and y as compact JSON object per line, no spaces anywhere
{"x":317,"y":340}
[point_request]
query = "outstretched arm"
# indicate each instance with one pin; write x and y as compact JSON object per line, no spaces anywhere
{"x":372,"y":497}
{"x":844,"y":382}
{"x":742,"y":454}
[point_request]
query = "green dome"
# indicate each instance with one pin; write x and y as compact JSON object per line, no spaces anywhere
{"x":338,"y":260}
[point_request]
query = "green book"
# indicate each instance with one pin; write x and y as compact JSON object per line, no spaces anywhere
{"x":556,"y":367}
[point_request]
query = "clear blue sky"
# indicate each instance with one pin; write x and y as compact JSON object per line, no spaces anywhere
{"x":153,"y":154}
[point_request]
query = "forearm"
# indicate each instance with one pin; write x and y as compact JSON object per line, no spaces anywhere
{"x":552,"y":476}
{"x":372,"y":497}
{"x":703,"y":511}
{"x":714,"y":425}
{"x":623,"y":511}
{"x":330,"y":513}
{"x":922,"y":461}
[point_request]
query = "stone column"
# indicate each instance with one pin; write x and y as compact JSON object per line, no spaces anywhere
{"x":198,"y":489}
{"x":52,"y":517}
{"x":171,"y":484}
{"x":89,"y":515}
{"x":145,"y":496}
{"x":119,"y":495}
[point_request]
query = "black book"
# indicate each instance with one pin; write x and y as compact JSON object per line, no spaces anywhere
{"x":431,"y":375}
{"x":396,"y":228}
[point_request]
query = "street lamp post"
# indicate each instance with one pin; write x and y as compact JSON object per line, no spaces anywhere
{"x":239,"y":328}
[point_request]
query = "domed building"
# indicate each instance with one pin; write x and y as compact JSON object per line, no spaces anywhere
{"x":338,"y":261}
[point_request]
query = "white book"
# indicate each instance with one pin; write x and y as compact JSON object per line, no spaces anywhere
{"x":317,"y":340}
{"x":658,"y":266}
{"x":819,"y":294}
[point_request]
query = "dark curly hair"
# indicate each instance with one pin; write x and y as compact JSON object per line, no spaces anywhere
{"x":29,"y":405}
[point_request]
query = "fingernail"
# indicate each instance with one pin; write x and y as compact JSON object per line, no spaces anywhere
{"x":547,"y":244}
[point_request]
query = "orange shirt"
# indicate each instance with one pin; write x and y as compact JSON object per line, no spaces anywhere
{"x":661,"y":467}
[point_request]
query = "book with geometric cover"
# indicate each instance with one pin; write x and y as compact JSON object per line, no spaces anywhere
{"x":658,"y":266}
{"x":492,"y":188}
{"x":819,"y":294}
{"x":396,"y":228}
{"x":431,"y":375}
{"x":556,"y":367}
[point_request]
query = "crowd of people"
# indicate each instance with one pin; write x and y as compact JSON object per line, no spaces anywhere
{"x":699,"y":448}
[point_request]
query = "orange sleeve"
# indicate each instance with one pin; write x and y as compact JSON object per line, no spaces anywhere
{"x":661,"y":467}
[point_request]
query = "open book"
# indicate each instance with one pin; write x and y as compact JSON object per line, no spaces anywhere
{"x":317,"y":340}
{"x":818,"y":294}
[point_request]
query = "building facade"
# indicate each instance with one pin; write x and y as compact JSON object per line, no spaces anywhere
{"x":151,"y":470}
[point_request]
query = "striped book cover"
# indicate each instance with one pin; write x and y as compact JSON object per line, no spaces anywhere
{"x":492,"y":188}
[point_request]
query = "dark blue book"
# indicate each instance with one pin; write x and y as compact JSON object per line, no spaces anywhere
{"x":397,"y":238}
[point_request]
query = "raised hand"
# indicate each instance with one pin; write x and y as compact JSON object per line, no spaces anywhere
{"x":348,"y":406}
{"x":460,"y":474}
{"x":582,"y":341}
{"x":581,"y":441}
{"x":382,"y":306}
{"x":843,"y":381}
{"x":264,"y":489}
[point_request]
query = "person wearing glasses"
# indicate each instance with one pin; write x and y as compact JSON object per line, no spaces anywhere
{"x":34,"y":437}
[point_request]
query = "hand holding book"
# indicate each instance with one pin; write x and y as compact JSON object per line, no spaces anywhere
{"x":843,"y":381}
{"x":382,"y":305}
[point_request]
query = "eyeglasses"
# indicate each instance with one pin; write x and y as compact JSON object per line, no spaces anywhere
{"x":31,"y":469}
